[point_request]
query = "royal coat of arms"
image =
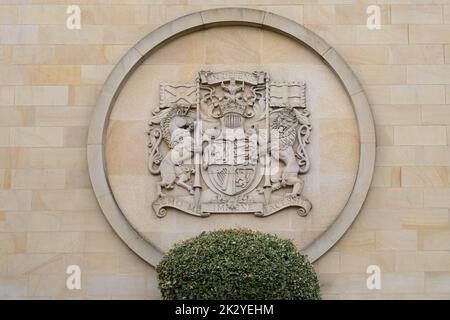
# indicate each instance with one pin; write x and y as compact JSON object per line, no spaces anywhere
{"x":230,"y":142}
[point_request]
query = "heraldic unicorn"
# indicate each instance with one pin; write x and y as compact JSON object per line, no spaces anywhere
{"x":230,"y":142}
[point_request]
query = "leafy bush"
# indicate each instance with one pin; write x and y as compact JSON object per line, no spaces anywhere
{"x":236,"y":264}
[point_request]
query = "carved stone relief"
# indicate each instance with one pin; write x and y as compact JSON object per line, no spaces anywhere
{"x":236,"y":143}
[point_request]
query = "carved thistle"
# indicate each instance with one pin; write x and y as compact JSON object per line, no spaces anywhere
{"x":230,"y":142}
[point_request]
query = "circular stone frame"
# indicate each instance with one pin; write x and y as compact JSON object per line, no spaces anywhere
{"x":208,"y":19}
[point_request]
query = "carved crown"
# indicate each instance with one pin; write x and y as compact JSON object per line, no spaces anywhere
{"x":232,"y":101}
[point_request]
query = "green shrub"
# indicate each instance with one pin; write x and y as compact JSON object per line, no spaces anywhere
{"x":236,"y":264}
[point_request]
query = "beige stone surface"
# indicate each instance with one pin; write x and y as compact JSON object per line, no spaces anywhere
{"x":388,"y":34}
{"x":335,"y":148}
{"x":416,"y":14}
{"x":424,"y":176}
{"x":36,"y":137}
{"x":38,"y":179}
{"x":420,"y":135}
{"x":50,"y":78}
{"x":41,"y":95}
{"x":387,"y":177}
{"x":385,"y":135}
{"x":391,"y":115}
{"x":429,"y":34}
{"x":416,"y":54}
{"x":417,"y":94}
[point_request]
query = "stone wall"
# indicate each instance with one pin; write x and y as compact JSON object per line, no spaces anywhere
{"x":50,"y":77}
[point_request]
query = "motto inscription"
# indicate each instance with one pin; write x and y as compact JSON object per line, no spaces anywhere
{"x":235,"y":143}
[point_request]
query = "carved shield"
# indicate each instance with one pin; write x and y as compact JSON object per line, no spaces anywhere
{"x":231,"y":179}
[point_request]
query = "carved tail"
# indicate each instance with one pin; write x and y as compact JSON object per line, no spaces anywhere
{"x":154,"y":154}
{"x":303,"y":138}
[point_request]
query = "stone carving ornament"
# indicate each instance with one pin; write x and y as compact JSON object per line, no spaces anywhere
{"x":236,"y":143}
{"x":149,"y":250}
